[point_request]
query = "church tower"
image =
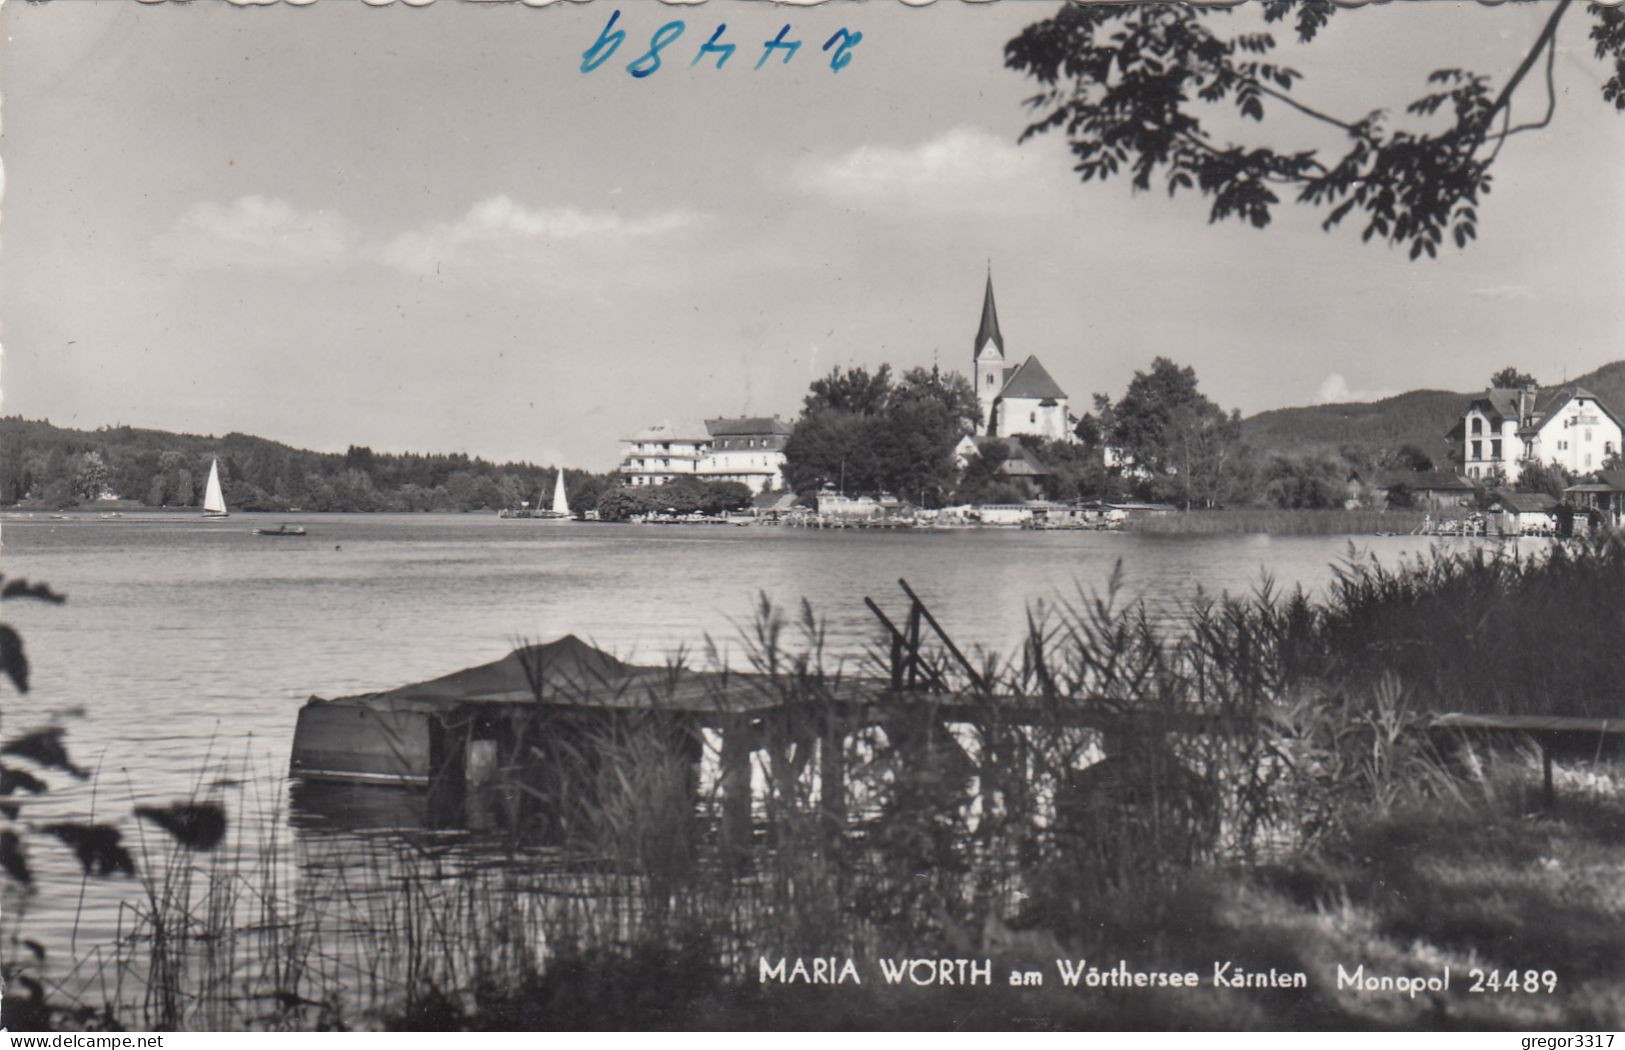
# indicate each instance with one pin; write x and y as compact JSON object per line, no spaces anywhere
{"x":988,"y":367}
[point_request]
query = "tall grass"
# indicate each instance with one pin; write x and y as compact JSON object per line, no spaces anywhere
{"x":1113,"y":757}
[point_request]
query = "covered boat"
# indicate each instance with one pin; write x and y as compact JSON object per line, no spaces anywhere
{"x":460,"y":728}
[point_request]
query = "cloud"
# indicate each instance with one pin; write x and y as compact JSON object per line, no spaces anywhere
{"x":1334,"y":390}
{"x":255,"y":232}
{"x":962,"y":170}
{"x":498,"y":231}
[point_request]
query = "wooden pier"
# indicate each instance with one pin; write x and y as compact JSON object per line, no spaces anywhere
{"x":463,"y":727}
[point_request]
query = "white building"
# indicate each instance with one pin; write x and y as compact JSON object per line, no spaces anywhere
{"x":1504,"y":428}
{"x":1015,"y":400}
{"x":663,"y":452}
{"x":749,"y":450}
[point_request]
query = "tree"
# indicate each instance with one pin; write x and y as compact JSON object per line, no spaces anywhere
{"x":1309,"y":483}
{"x":829,"y":447}
{"x":1510,"y":378}
{"x":1128,"y":84}
{"x":1153,"y":422}
{"x":861,"y":434}
{"x":1201,"y":455}
{"x":913,"y":447}
{"x":983,"y":482}
{"x":1407,"y":457}
{"x":949,"y":389}
{"x":721,"y":497}
{"x":90,"y":477}
{"x":1549,"y":478}
{"x":854,"y":391}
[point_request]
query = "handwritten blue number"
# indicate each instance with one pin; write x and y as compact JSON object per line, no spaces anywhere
{"x":649,"y":61}
{"x":599,"y":53}
{"x":843,"y":54}
{"x":790,"y":47}
{"x":722,"y":51}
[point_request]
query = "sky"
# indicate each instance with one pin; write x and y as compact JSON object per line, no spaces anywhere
{"x":424,"y":228}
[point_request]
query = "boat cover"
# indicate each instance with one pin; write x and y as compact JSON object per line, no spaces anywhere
{"x":568,"y":672}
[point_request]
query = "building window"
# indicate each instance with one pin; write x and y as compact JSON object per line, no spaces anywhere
{"x":1478,"y":425}
{"x":1478,"y":450}
{"x":1032,"y":417}
{"x":1495,"y":449}
{"x":990,"y":379}
{"x":1588,"y":433}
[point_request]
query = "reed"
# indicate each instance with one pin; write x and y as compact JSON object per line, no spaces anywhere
{"x":1280,"y":522}
{"x":1248,"y":761}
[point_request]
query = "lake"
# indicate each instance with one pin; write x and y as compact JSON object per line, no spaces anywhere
{"x":186,"y":648}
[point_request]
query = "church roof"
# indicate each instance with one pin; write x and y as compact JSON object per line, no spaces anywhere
{"x":1030,"y":380}
{"x":990,"y":321}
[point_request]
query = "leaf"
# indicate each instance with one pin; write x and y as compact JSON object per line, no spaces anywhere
{"x":12,"y":780}
{"x":45,"y":747}
{"x":97,"y":846}
{"x":12,"y":859}
{"x":37,"y":591}
{"x":12,"y":660}
{"x":198,"y":826}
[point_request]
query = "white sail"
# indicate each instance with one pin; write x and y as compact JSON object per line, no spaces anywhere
{"x":561,"y":505}
{"x":214,"y":501}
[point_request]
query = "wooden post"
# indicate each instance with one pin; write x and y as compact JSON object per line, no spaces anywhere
{"x":914,"y":643}
{"x":735,"y":783}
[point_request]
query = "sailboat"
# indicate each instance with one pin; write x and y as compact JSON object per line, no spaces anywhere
{"x":561,"y":505}
{"x":214,"y":501}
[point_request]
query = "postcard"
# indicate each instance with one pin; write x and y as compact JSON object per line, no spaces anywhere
{"x":866,"y":516}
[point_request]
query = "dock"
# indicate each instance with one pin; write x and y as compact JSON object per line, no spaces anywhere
{"x":565,"y":697}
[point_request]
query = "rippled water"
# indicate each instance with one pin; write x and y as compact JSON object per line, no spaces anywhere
{"x":186,"y":645}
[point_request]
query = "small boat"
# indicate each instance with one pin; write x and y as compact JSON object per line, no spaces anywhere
{"x":214,"y":500}
{"x":282,"y":530}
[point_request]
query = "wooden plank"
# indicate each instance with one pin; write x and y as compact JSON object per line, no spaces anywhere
{"x":735,"y":782}
{"x":1532,"y":724}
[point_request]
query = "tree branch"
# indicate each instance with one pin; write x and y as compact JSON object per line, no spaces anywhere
{"x":1546,"y":39}
{"x":1551,"y":97}
{"x":1308,"y":111}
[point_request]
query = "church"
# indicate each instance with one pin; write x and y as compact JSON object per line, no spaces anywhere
{"x":1015,"y":399}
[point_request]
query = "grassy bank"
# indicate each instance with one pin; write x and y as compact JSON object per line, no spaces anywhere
{"x":1321,"y":826}
{"x":1280,"y":522}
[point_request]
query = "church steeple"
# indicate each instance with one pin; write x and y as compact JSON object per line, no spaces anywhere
{"x":987,"y":360}
{"x":989,"y":329}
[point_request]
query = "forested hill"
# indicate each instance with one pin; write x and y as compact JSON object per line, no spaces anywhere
{"x":1419,"y":417}
{"x":41,"y":464}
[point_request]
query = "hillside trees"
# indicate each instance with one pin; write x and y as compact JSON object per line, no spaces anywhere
{"x":58,"y":467}
{"x":1136,"y":90}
